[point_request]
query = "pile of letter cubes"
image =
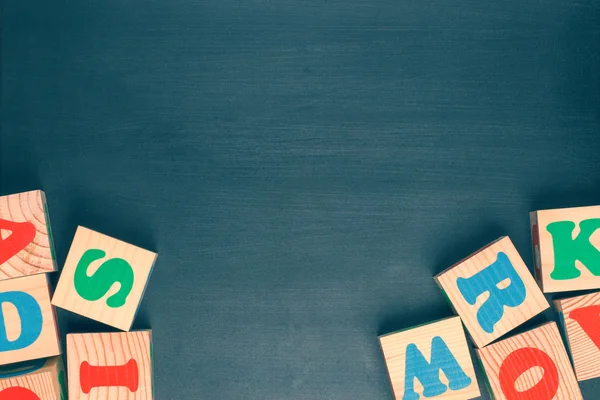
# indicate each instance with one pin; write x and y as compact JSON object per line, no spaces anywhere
{"x":103,"y":279}
{"x":492,"y":292}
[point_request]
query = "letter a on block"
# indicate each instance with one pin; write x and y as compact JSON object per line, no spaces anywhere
{"x":567,"y":250}
{"x":580,"y":317}
{"x":430,"y":361}
{"x":21,"y":234}
{"x":487,"y":281}
{"x":531,"y":366}
{"x":26,"y":246}
{"x":104,"y":278}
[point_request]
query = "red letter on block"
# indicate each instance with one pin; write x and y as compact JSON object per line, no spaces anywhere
{"x":519,"y":362}
{"x":22,"y":233}
{"x":18,"y":393}
{"x":120,"y":375}
{"x":589,"y":320}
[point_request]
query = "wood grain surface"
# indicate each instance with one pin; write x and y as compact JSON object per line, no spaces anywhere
{"x":303,"y":168}
{"x":48,"y":342}
{"x":451,"y":331}
{"x":38,"y":256}
{"x":512,"y":317}
{"x":141,"y":262}
{"x":44,"y":382}
{"x":545,"y":260}
{"x":545,"y":338}
{"x":110,"y":349}
{"x":584,"y":352}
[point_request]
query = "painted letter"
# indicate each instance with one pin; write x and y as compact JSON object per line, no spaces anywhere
{"x":19,"y":393}
{"x":30,"y":314}
{"x":487,"y":280}
{"x":429,"y":373}
{"x":520,"y":361}
{"x":114,"y":270}
{"x":568,"y":250}
{"x":22,"y":233}
{"x":121,"y":375}
{"x":589,"y":320}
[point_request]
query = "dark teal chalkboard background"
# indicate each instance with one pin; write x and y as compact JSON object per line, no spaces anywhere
{"x":303,"y":167}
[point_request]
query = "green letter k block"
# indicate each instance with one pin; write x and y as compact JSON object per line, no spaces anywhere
{"x":568,"y":250}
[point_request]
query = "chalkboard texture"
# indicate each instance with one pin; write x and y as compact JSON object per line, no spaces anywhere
{"x":303,"y":168}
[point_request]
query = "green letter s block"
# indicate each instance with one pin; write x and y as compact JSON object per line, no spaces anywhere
{"x":114,"y":270}
{"x":568,"y":250}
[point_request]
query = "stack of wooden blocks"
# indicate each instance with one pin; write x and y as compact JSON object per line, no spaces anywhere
{"x":103,"y":279}
{"x":492,"y":292}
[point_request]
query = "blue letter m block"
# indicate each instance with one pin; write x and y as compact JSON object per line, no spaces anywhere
{"x":428,"y":374}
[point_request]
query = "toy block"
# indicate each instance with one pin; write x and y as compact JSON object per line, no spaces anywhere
{"x":566,"y":247}
{"x":28,"y":328}
{"x":532,"y":365}
{"x":580,"y":320}
{"x":431,"y":361}
{"x":110,"y":366}
{"x":492,"y":291}
{"x":26,"y":246}
{"x":94,"y":265}
{"x":42,"y":379}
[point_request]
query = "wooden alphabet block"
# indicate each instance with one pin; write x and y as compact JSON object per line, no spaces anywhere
{"x":492,"y":291}
{"x":532,"y":365}
{"x":566,"y":246}
{"x":431,"y":361}
{"x":26,"y":246}
{"x":110,"y":366}
{"x":94,"y":265}
{"x":580,"y":319}
{"x":28,"y":327}
{"x":42,"y":379}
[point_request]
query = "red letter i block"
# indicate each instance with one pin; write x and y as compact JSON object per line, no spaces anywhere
{"x":581,"y":319}
{"x":107,"y":366}
{"x":531,"y":366}
{"x":26,"y":246}
{"x":42,"y":379}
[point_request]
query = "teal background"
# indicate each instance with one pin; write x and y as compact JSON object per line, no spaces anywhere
{"x":303,"y":168}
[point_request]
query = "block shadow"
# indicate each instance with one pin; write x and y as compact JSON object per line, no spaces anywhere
{"x":451,"y":252}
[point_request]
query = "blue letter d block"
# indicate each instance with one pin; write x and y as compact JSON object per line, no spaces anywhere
{"x":30,"y":314}
{"x":429,"y":373}
{"x":487,"y":280}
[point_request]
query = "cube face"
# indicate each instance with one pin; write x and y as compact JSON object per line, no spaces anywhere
{"x":566,"y":246}
{"x":26,"y":246}
{"x":492,"y":291}
{"x":106,"y":366}
{"x":532,"y":365}
{"x":29,"y":320}
{"x":580,"y":317}
{"x":42,"y":379}
{"x":94,"y":264}
{"x":431,"y":360}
